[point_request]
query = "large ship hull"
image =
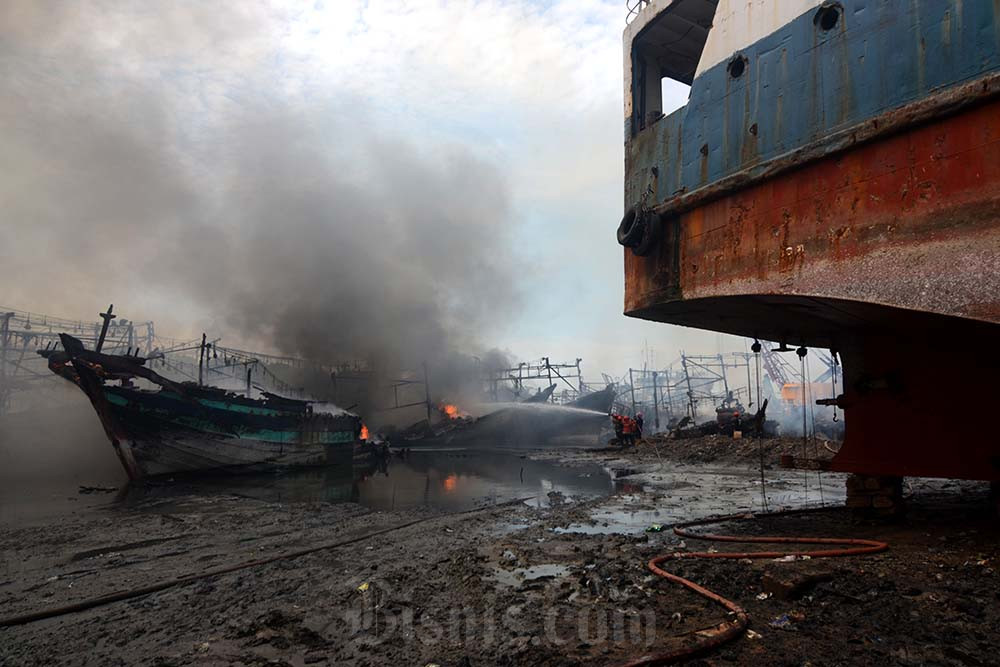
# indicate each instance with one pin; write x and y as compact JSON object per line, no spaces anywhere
{"x":834,"y":181}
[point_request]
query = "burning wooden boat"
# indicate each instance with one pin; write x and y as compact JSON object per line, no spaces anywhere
{"x":187,"y":427}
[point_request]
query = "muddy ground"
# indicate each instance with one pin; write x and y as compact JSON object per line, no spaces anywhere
{"x":558,"y":584}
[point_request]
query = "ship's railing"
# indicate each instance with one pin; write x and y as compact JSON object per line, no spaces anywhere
{"x":634,"y":7}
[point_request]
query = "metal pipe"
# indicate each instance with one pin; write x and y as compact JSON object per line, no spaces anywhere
{"x":427,"y":394}
{"x":687,"y":376}
{"x":201,"y":361}
{"x":656,"y":403}
{"x":631,"y":385}
{"x":548,"y":367}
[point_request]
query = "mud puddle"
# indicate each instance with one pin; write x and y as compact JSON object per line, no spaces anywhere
{"x":520,"y":576}
{"x":450,"y":480}
{"x":650,"y":499}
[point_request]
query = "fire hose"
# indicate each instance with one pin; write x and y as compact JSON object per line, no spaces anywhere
{"x":735,"y":627}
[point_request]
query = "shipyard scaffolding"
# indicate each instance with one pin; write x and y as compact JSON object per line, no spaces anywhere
{"x":692,"y":387}
{"x":563,"y":382}
{"x":22,"y":332}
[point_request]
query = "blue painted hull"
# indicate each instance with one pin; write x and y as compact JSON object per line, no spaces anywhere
{"x":801,"y":84}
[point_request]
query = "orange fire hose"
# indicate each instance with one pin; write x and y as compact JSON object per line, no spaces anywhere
{"x":735,"y":627}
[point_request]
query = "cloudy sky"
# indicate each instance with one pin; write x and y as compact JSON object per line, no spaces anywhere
{"x":206,"y":164}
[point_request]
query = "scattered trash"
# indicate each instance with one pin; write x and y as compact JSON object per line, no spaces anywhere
{"x":752,"y":635}
{"x":763,"y":596}
{"x":780,"y":621}
{"x":787,"y":620}
{"x":655,"y":528}
{"x":364,"y":587}
{"x":792,"y":558}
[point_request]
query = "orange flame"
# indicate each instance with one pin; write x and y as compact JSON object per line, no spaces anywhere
{"x":364,"y":432}
{"x":450,"y":411}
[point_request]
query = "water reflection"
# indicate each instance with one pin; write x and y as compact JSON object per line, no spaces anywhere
{"x":448,"y":480}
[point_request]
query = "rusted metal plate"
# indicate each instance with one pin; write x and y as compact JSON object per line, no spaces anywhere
{"x":914,"y":405}
{"x":911,"y":221}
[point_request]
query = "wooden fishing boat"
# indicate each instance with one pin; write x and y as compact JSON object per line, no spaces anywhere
{"x":185,"y":427}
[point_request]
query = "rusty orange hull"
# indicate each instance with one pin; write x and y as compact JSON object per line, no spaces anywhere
{"x":911,"y":222}
{"x":888,"y":252}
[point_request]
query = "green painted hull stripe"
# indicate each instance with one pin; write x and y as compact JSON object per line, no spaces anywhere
{"x":261,"y":435}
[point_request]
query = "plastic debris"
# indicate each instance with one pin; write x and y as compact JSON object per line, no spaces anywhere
{"x":364,"y":587}
{"x":780,"y":621}
{"x":752,"y":635}
{"x":792,"y":558}
{"x":655,"y":528}
{"x":763,"y":596}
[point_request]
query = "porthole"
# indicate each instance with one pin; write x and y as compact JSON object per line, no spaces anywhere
{"x":827,"y":17}
{"x":737,"y":66}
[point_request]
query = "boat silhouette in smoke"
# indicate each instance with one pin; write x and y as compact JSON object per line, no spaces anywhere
{"x":514,"y":425}
{"x":187,"y":427}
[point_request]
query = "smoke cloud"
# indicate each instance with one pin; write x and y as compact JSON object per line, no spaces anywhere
{"x":164,"y":160}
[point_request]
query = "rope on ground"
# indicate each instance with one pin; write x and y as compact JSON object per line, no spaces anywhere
{"x":760,"y":429}
{"x":118,"y":596}
{"x":812,"y":412}
{"x":805,"y":411}
{"x":730,"y":629}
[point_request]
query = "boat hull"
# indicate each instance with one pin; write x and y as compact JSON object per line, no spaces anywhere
{"x":165,"y":449}
{"x":838,"y":186}
{"x":164,"y":432}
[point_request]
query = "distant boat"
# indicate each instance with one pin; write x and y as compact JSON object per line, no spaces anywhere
{"x":596,"y":400}
{"x":541,"y":396}
{"x":186,"y":427}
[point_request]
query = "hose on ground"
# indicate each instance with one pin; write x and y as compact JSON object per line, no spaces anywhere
{"x":730,"y":629}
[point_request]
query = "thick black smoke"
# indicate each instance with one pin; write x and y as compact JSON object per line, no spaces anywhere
{"x":151,"y":159}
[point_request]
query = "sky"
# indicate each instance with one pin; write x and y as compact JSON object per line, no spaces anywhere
{"x":159,"y":151}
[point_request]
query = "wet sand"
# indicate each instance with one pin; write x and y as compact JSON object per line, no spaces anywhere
{"x":558,"y":579}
